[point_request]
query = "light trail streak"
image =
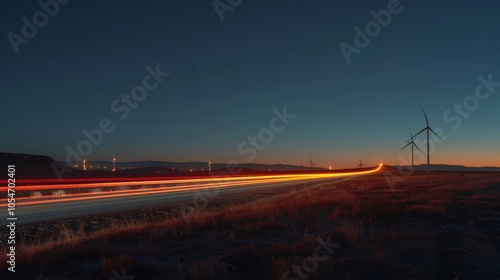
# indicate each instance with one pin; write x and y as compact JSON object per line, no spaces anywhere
{"x":194,"y":184}
{"x":180,"y":181}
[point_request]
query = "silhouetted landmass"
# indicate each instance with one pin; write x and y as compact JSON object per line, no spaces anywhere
{"x":42,"y":167}
{"x":453,"y":168}
{"x":27,"y":166}
{"x":195,"y":166}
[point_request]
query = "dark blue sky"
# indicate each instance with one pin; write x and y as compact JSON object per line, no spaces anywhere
{"x":227,"y":76}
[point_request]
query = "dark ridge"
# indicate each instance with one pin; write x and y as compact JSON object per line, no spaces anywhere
{"x":27,"y":166}
{"x":452,"y":168}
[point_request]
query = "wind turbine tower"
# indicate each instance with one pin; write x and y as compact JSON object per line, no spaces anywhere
{"x":427,"y":128}
{"x":412,"y":145}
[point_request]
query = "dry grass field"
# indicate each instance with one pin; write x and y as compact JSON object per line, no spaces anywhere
{"x":428,"y":226}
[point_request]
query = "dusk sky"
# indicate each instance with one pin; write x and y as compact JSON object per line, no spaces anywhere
{"x":227,"y":76}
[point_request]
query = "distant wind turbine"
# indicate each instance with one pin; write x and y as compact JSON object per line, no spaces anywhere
{"x":428,"y":128}
{"x":412,"y":145}
{"x":360,"y":165}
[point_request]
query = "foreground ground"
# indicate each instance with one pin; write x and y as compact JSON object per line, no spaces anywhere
{"x":438,"y":226}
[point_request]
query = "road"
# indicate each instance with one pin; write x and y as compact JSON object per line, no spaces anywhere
{"x":125,"y":195}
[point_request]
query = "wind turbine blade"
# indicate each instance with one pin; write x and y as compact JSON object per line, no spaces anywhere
{"x":435,"y":134}
{"x":420,"y":132}
{"x":407,"y":145}
{"x":425,"y":116}
{"x":411,"y":137}
{"x":416,"y":146}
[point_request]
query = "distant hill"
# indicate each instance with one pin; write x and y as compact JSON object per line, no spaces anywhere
{"x":186,"y":166}
{"x":453,"y":168}
{"x":38,"y":166}
{"x":26,"y":165}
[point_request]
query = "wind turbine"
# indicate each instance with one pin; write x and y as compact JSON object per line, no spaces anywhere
{"x":428,"y":128}
{"x":311,"y":162}
{"x":360,"y":165}
{"x":412,"y":145}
